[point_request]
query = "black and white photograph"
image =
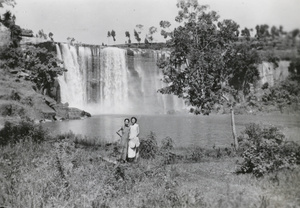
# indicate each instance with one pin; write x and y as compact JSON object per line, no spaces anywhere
{"x":149,"y":103}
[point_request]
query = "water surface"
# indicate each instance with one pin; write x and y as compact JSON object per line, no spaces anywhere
{"x":185,"y":130}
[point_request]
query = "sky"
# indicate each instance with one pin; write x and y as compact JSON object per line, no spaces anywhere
{"x":88,"y":21}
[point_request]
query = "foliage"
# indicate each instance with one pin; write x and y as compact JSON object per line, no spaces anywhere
{"x":7,"y":2}
{"x":137,"y":36}
{"x":127,"y":34}
{"x":294,"y":69}
{"x":266,"y":151}
{"x":207,"y":61}
{"x":262,"y":31}
{"x":167,"y":143}
{"x":24,"y":130}
{"x":152,"y":30}
{"x":283,"y":94}
{"x":9,"y":21}
{"x":42,"y":64}
{"x":148,"y":147}
{"x":61,"y":174}
{"x":113,"y":35}
{"x":42,"y":34}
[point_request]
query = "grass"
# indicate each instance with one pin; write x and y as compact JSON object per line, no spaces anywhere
{"x":69,"y":172}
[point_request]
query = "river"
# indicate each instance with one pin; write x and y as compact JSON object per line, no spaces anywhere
{"x":185,"y":130}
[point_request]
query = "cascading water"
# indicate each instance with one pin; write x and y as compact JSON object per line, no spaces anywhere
{"x":110,"y":80}
{"x":114,"y":81}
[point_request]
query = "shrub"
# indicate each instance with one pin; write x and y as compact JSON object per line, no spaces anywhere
{"x":22,"y":131}
{"x":148,"y":146}
{"x":167,"y":143}
{"x":265,"y":151}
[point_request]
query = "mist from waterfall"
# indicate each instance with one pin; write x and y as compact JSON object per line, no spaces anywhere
{"x":110,"y":81}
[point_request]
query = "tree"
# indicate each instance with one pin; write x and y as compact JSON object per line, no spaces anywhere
{"x":152,"y":30}
{"x":108,"y":36}
{"x":295,"y":33}
{"x":137,"y":37}
{"x":127,"y":35}
{"x":246,"y":33}
{"x":7,"y":2}
{"x":262,"y":31}
{"x":274,"y":32}
{"x":165,"y":24}
{"x":208,"y":64}
{"x":113,"y":35}
{"x":9,"y":22}
{"x":42,"y":65}
{"x":7,"y":19}
{"x":51,"y":36}
{"x":139,"y":28}
{"x":42,"y":34}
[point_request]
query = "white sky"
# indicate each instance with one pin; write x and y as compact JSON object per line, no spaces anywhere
{"x":88,"y":21}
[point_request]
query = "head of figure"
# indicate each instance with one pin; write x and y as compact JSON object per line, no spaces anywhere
{"x":126,"y":121}
{"x":133,"y":120}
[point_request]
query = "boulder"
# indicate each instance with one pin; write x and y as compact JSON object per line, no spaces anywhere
{"x":75,"y":113}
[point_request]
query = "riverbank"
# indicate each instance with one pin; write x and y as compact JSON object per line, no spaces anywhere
{"x":66,"y":172}
{"x":20,"y":100}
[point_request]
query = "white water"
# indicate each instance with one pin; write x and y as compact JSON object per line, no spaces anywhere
{"x":114,"y":81}
{"x":106,"y":81}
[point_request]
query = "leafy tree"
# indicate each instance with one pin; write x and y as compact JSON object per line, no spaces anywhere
{"x":139,"y":28}
{"x":165,"y":24}
{"x":281,"y":31}
{"x":42,"y":65}
{"x":207,"y":64}
{"x":274,"y":32}
{"x":51,"y":36}
{"x":113,"y":35}
{"x":42,"y":34}
{"x":246,"y":33}
{"x":152,"y":30}
{"x":108,"y":36}
{"x":8,"y":21}
{"x":137,"y":36}
{"x":294,"y":69}
{"x":262,"y":31}
{"x":127,"y":34}
{"x":7,"y":2}
{"x":295,"y":33}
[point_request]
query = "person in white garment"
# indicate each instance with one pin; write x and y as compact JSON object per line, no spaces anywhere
{"x":134,"y":142}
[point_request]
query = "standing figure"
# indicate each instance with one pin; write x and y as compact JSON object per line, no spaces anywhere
{"x":124,"y":139}
{"x":134,"y":142}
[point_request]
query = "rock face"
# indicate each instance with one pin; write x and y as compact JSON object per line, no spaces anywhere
{"x":63,"y":112}
{"x":269,"y":74}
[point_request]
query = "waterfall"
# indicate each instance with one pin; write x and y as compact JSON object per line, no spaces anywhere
{"x":73,"y":91}
{"x":110,"y":80}
{"x":114,"y":81}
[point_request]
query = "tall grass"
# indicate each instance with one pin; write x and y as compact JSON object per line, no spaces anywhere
{"x":65,"y":173}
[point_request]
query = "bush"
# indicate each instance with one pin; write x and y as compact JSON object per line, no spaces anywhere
{"x":22,"y":131}
{"x":148,"y":146}
{"x":265,"y":151}
{"x":167,"y":143}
